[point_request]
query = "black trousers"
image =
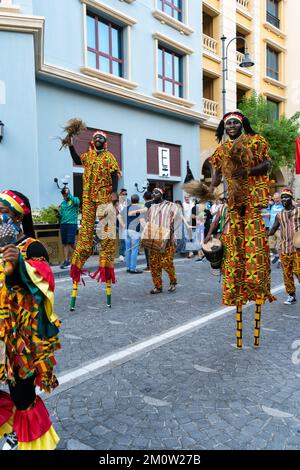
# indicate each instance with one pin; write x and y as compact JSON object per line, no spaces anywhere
{"x":23,"y":392}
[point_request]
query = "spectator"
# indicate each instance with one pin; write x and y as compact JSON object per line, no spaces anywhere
{"x":68,"y":215}
{"x":124,"y":202}
{"x":133,"y":236}
{"x":275,"y":239}
{"x":183,"y":231}
{"x":147,"y":196}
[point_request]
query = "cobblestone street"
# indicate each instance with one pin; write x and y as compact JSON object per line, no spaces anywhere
{"x":163,"y":372}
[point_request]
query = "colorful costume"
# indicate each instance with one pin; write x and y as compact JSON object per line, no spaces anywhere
{"x":100,"y":174}
{"x":28,"y":339}
{"x":246,"y":270}
{"x":246,"y":262}
{"x":290,"y":256}
{"x":163,"y":215}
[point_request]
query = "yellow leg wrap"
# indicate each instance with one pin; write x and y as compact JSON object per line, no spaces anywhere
{"x":239,"y":327}
{"x":257,"y":324}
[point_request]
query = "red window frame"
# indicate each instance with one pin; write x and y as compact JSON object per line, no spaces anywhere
{"x":176,"y":11}
{"x":172,"y":80}
{"x":98,"y":52}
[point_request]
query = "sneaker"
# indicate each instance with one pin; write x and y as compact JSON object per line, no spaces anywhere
{"x":146,"y":270}
{"x":121,"y":258}
{"x":290,"y":300}
{"x":135,"y":271}
{"x":65,"y":264}
{"x":275,"y":259}
{"x":11,"y":442}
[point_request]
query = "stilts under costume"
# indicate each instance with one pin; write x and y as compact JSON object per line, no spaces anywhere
{"x":100,"y":180}
{"x":246,"y":261}
{"x":28,"y":340}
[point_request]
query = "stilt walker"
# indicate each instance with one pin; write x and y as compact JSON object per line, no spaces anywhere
{"x":100,"y":184}
{"x":243,"y":159}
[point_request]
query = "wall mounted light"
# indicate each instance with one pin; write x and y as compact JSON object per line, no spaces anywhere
{"x":144,"y":187}
{"x":1,"y":130}
{"x":64,"y":181}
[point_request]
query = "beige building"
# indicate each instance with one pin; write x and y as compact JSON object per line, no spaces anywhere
{"x":261,"y":27}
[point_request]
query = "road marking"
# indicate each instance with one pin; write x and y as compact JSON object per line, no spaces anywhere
{"x":105,"y":363}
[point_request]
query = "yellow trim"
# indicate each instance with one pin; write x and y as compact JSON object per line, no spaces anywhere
{"x":48,"y":441}
{"x":7,"y":427}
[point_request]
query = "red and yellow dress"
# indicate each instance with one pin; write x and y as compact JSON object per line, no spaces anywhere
{"x":97,"y":190}
{"x":246,"y":263}
{"x":28,"y":340}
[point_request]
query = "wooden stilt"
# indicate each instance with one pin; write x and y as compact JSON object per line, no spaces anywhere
{"x":239,"y":327}
{"x":108,"y":293}
{"x":257,"y":325}
{"x":74,"y":295}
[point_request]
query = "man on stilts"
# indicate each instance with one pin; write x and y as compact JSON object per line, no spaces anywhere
{"x":100,"y":185}
{"x":244,"y":160}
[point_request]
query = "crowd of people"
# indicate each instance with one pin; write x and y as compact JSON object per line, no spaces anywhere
{"x":246,"y":222}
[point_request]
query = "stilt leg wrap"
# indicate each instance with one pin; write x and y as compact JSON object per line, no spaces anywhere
{"x":257,"y":324}
{"x":239,"y":327}
{"x":6,"y":413}
{"x":108,"y":293}
{"x":34,"y":428}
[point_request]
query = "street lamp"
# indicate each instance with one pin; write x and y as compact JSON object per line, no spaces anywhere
{"x":246,"y":62}
{"x":144,"y":187}
{"x":1,"y":130}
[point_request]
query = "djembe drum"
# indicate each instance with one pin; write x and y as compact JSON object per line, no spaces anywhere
{"x":213,"y":252}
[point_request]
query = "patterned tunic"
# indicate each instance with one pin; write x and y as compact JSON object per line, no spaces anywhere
{"x":97,"y":182}
{"x":246,"y":263}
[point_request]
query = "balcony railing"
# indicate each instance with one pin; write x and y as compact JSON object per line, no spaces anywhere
{"x":243,"y":3}
{"x":239,"y":57}
{"x":273,"y":20}
{"x":210,"y":44}
{"x":210,"y":107}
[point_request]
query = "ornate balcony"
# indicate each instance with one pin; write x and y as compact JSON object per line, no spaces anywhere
{"x":210,"y":44}
{"x":243,"y":3}
{"x":210,"y":107}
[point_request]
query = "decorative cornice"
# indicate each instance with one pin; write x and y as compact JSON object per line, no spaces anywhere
{"x":9,"y":8}
{"x":211,"y":56}
{"x":274,"y":30}
{"x":108,"y":77}
{"x":35,"y":25}
{"x":243,"y":12}
{"x":275,"y":44}
{"x":111,"y":12}
{"x":173,"y":99}
{"x":244,"y":71}
{"x":274,"y":82}
{"x":178,"y":46}
{"x":166,"y":19}
{"x":214,"y":10}
{"x":274,"y":96}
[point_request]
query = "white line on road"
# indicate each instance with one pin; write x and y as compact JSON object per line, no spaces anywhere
{"x":131,"y":352}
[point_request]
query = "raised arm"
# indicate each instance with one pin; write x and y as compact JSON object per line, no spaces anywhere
{"x":275,"y":227}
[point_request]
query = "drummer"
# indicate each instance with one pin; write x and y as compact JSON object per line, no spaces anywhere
{"x":163,"y":213}
{"x":289,"y":222}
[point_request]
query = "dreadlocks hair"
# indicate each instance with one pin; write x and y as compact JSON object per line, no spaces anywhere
{"x":27,"y":221}
{"x":245,"y":122}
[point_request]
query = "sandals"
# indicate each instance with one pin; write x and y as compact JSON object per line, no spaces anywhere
{"x":172,"y":288}
{"x":156,"y":290}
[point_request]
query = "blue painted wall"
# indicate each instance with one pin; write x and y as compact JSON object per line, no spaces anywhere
{"x":56,"y":105}
{"x":18,"y":150}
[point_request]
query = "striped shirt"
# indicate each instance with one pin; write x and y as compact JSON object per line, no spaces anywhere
{"x":290,"y":223}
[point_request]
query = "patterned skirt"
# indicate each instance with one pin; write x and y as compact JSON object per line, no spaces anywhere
{"x":246,"y":263}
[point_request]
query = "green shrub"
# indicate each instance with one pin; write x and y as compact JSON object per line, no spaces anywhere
{"x":46,"y":215}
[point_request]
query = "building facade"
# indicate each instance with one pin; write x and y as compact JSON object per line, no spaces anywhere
{"x":131,"y":68}
{"x":268,"y":29}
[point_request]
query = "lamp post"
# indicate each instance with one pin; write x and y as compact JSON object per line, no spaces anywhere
{"x":1,"y":130}
{"x":144,"y":187}
{"x":246,"y":62}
